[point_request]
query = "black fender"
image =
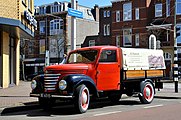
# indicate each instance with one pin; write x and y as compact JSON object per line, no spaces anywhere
{"x":147,"y":80}
{"x":74,"y":80}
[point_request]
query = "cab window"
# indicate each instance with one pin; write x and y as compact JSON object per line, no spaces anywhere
{"x":108,"y":56}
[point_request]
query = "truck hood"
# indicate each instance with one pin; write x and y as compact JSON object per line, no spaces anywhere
{"x":78,"y":68}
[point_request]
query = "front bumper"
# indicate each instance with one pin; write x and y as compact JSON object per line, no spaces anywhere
{"x":45,"y":95}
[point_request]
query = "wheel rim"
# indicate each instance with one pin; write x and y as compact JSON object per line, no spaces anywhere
{"x":148,"y":92}
{"x":85,"y":99}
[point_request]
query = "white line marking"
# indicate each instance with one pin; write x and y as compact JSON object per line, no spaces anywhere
{"x":107,"y":113}
{"x":153,"y":106}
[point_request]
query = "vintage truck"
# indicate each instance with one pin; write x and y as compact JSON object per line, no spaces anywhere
{"x":101,"y":71}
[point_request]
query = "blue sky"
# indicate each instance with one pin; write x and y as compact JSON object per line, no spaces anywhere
{"x":88,"y":3}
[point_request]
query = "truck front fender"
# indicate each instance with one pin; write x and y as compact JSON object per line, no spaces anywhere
{"x":74,"y":80}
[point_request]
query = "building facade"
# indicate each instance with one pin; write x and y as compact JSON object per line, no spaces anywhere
{"x":54,"y":33}
{"x":145,"y":24}
{"x":16,"y":23}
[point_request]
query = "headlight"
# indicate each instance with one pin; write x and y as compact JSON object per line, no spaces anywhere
{"x":33,"y":84}
{"x":62,"y":85}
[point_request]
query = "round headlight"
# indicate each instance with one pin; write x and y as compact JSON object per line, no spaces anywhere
{"x":33,"y":84}
{"x":62,"y":85}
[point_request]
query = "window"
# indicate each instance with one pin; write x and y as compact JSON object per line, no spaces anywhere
{"x":42,"y":10}
{"x":105,"y":13}
{"x":108,"y":56}
{"x":106,"y":29}
{"x":42,"y":46}
{"x":137,"y":14}
{"x":178,"y":6}
{"x":42,"y":27}
{"x":56,"y":26}
{"x":117,"y":16}
{"x":92,"y":43}
{"x":118,"y":41}
{"x":127,"y":37}
{"x":158,"y":10}
{"x":167,"y":56}
{"x":168,"y":7}
{"x":108,"y":13}
{"x":137,"y":39}
{"x":127,"y":11}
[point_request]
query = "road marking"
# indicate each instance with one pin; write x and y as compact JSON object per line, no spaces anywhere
{"x":107,"y":113}
{"x":153,"y":106}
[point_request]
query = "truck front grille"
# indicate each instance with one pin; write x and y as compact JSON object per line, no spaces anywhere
{"x":50,"y":82}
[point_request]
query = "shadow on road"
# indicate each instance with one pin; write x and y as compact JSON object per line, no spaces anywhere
{"x":63,"y":108}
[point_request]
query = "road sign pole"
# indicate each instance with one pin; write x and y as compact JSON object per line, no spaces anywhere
{"x":73,"y":28}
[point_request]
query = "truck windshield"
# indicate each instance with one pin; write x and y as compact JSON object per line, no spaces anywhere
{"x":86,"y":56}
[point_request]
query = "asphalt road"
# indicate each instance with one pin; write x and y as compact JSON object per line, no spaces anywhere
{"x":126,"y":109}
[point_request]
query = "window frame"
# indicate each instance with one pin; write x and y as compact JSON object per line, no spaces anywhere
{"x":42,"y":27}
{"x":137,"y":39}
{"x":128,"y":36}
{"x":168,"y":8}
{"x":177,"y":8}
{"x":126,"y":11}
{"x":137,"y":13}
{"x":118,"y":17}
{"x":160,"y":11}
{"x":92,"y":43}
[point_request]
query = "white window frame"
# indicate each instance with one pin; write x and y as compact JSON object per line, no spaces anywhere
{"x":92,"y":43}
{"x":178,"y":5}
{"x":108,"y":29}
{"x":158,"y":12}
{"x":127,"y":11}
{"x":42,"y":28}
{"x":137,"y":13}
{"x":127,"y":36}
{"x":118,"y":16}
{"x":118,"y":42}
{"x":167,"y":56}
{"x":168,"y":7}
{"x":137,"y":39}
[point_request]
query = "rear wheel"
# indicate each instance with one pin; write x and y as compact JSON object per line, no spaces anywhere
{"x":146,"y":95}
{"x":82,"y":99}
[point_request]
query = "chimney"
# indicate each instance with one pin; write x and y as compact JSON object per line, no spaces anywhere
{"x":96,"y":12}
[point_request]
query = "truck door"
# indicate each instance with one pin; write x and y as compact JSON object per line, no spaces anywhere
{"x":108,"y":70}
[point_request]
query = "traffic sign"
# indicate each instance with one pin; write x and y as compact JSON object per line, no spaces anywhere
{"x":75,"y":13}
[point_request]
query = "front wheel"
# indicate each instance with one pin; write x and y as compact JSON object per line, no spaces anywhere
{"x":146,"y":95}
{"x":81,"y":99}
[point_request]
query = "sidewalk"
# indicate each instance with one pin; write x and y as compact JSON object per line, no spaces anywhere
{"x":18,"y":96}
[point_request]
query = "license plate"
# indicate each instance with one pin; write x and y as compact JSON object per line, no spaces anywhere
{"x":45,"y":95}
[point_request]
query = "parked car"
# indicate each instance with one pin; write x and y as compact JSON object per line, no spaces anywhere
{"x":31,"y":76}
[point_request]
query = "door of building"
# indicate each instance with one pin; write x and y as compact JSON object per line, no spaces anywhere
{"x":12,"y":62}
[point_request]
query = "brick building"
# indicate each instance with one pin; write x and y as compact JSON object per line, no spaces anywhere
{"x":131,"y":23}
{"x":16,"y":23}
{"x":54,"y":33}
